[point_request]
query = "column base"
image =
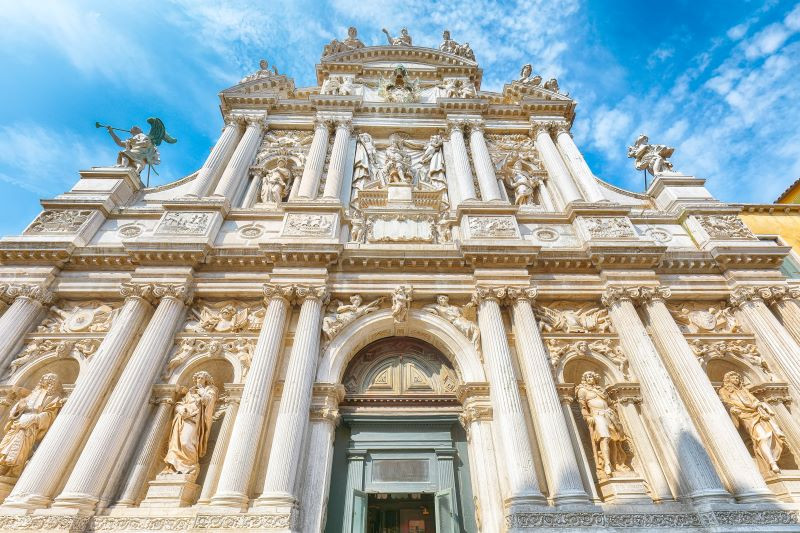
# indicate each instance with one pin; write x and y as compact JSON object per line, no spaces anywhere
{"x":571,"y":498}
{"x":624,"y":489}
{"x":281,"y":502}
{"x":76,"y":500}
{"x":786,"y":485}
{"x":523,"y":502}
{"x":710,"y":496}
{"x":27,"y":501}
{"x":234,"y":500}
{"x":171,"y":490}
{"x":6,"y":486}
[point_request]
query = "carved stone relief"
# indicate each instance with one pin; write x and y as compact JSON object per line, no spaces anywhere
{"x":604,"y":349}
{"x":463,"y":318}
{"x":229,"y":316}
{"x":188,"y":347}
{"x":724,"y":227}
{"x":570,"y":317}
{"x":737,"y":349}
{"x":79,"y":317}
{"x":184,"y":223}
{"x":341,"y":314}
{"x":60,"y":348}
{"x":608,"y":227}
{"x":315,"y":225}
{"x":60,"y":221}
{"x":129,"y":231}
{"x":485,"y":227}
{"x":696,"y":317}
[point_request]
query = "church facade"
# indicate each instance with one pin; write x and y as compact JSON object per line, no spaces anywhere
{"x":396,"y":302}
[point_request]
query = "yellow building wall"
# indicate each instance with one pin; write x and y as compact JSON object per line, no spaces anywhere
{"x":787,"y":225}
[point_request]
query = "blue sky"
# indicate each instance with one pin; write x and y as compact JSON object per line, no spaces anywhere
{"x":717,"y":79}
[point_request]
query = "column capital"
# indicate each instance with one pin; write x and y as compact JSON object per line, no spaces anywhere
{"x":472,"y":391}
{"x":276,"y":291}
{"x":456,"y":124}
{"x":539,"y":126}
{"x":344,"y":124}
{"x":307,"y":292}
{"x":31,"y":291}
{"x":636,"y":294}
{"x":178,"y":291}
{"x":496,"y":294}
{"x":323,"y":122}
{"x":522,"y":294}
{"x":654,"y":294}
{"x":144,"y":291}
{"x":566,"y":393}
{"x":778,"y":293}
{"x":613,"y":295}
{"x":476,"y":124}
{"x":741,"y":295}
{"x":325,"y":413}
{"x":625,"y":393}
{"x":561,"y":126}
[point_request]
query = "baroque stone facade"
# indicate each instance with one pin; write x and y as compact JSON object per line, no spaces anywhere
{"x":397,"y":297}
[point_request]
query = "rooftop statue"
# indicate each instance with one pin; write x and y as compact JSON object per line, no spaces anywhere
{"x":140,"y":150}
{"x":651,"y":157}
{"x":351,"y":43}
{"x":404,"y":39}
{"x":526,"y":77}
{"x":452,"y":47}
{"x":262,"y":72}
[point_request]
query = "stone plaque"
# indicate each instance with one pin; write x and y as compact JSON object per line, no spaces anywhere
{"x":400,"y":470}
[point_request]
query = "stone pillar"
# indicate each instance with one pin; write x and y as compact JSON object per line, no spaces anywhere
{"x":699,"y":481}
{"x":315,"y":161}
{"x":484,"y":168}
{"x":220,"y":447}
{"x":317,"y":478}
{"x":25,"y":307}
{"x":720,"y":436}
{"x":157,"y":431}
{"x":554,"y":164}
{"x":58,"y":448}
{"x":117,"y":422}
{"x":219,"y":156}
{"x":476,"y":417}
{"x":753,"y":311}
{"x":292,"y":421}
{"x":336,"y":167}
{"x":236,"y":170}
{"x":563,"y":475}
{"x":576,"y":163}
{"x":785,"y":302}
{"x":4,"y":299}
{"x":506,"y":403}
{"x":240,"y":458}
{"x":462,"y":172}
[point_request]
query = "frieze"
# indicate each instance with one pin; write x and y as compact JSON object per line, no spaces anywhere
{"x":608,"y":227}
{"x":184,"y":223}
{"x":493,"y":227}
{"x":310,"y":225}
{"x":724,"y":227}
{"x":60,"y":221}
{"x":568,"y":317}
{"x":224,"y":317}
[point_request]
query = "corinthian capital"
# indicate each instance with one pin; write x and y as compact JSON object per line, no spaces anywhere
{"x":274,"y":291}
{"x":344,"y":124}
{"x":306,"y":292}
{"x":561,"y":126}
{"x":495,"y":294}
{"x":31,"y":291}
{"x":542,"y":126}
{"x":522,"y":294}
{"x":742,"y":295}
{"x":456,"y":124}
{"x":615,"y":295}
{"x":653,"y":294}
{"x":178,"y":291}
{"x":136,"y":290}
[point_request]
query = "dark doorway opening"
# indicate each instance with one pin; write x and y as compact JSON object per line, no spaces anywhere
{"x":400,"y":513}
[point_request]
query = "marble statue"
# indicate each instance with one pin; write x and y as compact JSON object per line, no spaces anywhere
{"x":605,"y":429}
{"x":351,"y":43}
{"x":443,"y":226}
{"x":458,"y":316}
{"x":551,"y":85}
{"x":276,"y":181}
{"x":525,"y":76}
{"x":364,"y":162}
{"x":357,"y":226}
{"x":399,"y":88}
{"x":755,"y":417}
{"x":140,"y":150}
{"x":404,"y":39}
{"x":651,"y":157}
{"x":433,"y":156}
{"x":226,"y":319}
{"x":397,"y":164}
{"x":262,"y":72}
{"x":401,"y":300}
{"x":191,"y":427}
{"x":28,"y":421}
{"x":523,"y":184}
{"x":457,"y":88}
{"x":343,"y":314}
{"x":337,"y":86}
{"x":452,"y":47}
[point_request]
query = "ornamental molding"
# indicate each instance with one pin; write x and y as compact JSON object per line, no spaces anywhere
{"x":93,"y":316}
{"x":651,"y":520}
{"x":700,"y":317}
{"x":39,"y":349}
{"x":606,"y":350}
{"x":738,"y":349}
{"x":227,"y":316}
{"x":724,"y":227}
{"x":179,"y":291}
{"x":767,"y":294}
{"x":637,"y":294}
{"x":31,"y":291}
{"x":60,"y":221}
{"x":186,"y":348}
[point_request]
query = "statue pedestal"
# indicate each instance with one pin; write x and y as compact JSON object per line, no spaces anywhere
{"x":624,"y":489}
{"x":6,"y":486}
{"x":171,"y":490}
{"x":785,"y":485}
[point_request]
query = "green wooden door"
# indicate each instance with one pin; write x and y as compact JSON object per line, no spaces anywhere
{"x":359,"y":512}
{"x":445,"y":517}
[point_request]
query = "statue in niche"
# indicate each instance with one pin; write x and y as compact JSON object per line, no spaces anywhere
{"x":651,"y":157}
{"x":28,"y":421}
{"x":397,"y":163}
{"x":757,"y":418}
{"x":276,"y":181}
{"x":357,"y":226}
{"x":364,"y":163}
{"x":526,"y":78}
{"x":399,"y":88}
{"x":346,"y":313}
{"x":401,"y":301}
{"x":605,"y":429}
{"x":191,"y":426}
{"x":460,"y":317}
{"x":262,"y":72}
{"x":351,"y":43}
{"x":404,"y":39}
{"x":523,"y":184}
{"x":433,"y":156}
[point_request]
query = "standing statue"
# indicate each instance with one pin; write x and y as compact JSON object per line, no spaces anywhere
{"x":140,"y":150}
{"x":522,"y":184}
{"x":28,"y":421}
{"x":191,"y":426}
{"x":351,"y":43}
{"x":364,"y":162}
{"x":346,"y":313}
{"x":443,"y":226}
{"x":401,"y":301}
{"x":756,"y":417}
{"x":404,"y":39}
{"x":448,"y":45}
{"x":651,"y":157}
{"x":262,"y":72}
{"x":357,"y":226}
{"x":433,"y":156}
{"x":605,"y":429}
{"x":397,"y":167}
{"x":458,"y":316}
{"x":275,"y":182}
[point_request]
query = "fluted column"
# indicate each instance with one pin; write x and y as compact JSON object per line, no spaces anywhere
{"x":5,"y":301}
{"x":220,"y":448}
{"x":781,"y":346}
{"x":484,"y":168}
{"x":462,"y":171}
{"x":118,"y":421}
{"x":219,"y":156}
{"x":554,"y":163}
{"x":506,"y":403}
{"x":156,"y":433}
{"x":785,"y":302}
{"x":341,"y":141}
{"x":719,"y":435}
{"x":324,"y":419}
{"x":240,"y":458}
{"x":563,"y":475}
{"x":290,"y":426}
{"x":236,"y":170}
{"x":661,"y":400}
{"x":26,"y":303}
{"x":577,"y":164}
{"x":315,"y":161}
{"x":56,"y":452}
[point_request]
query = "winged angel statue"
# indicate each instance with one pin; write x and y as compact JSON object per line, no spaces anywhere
{"x":140,"y":150}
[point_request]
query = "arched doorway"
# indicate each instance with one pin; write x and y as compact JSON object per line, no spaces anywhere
{"x":400,"y":460}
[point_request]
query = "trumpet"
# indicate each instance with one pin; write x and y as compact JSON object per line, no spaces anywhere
{"x":98,"y":125}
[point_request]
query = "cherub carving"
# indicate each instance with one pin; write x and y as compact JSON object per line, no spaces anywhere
{"x":343,"y":314}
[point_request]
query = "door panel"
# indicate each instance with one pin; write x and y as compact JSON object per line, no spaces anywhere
{"x":445,"y":518}
{"x":359,"y":512}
